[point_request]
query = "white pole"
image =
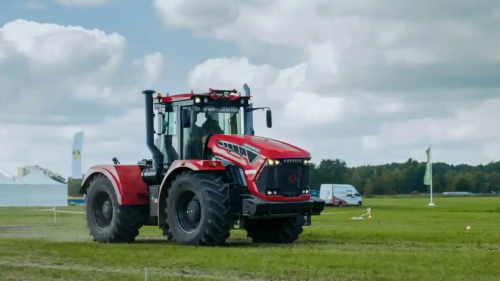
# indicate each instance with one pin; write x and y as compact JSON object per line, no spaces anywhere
{"x":54,"y":214}
{"x":146,"y":274}
{"x":431,"y":204}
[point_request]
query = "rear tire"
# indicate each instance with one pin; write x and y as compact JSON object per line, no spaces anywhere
{"x":198,"y":211}
{"x":279,"y":230}
{"x":340,"y":204}
{"x":107,"y":221}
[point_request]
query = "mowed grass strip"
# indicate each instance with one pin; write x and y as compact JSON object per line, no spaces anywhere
{"x":405,"y":240}
{"x":49,"y":273}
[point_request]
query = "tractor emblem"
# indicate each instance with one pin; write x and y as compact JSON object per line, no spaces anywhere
{"x":292,"y":178}
{"x":76,"y":154}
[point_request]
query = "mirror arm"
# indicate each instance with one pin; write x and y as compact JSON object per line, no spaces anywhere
{"x":256,"y":108}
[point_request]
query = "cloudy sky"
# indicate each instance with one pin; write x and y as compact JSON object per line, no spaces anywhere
{"x":365,"y":81}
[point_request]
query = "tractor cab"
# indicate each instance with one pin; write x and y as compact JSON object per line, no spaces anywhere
{"x":185,"y":122}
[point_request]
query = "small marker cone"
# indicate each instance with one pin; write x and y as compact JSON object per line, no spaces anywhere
{"x":467,"y":228}
{"x":369,"y":217}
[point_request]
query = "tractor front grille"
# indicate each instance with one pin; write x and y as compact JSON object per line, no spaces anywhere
{"x":289,"y":178}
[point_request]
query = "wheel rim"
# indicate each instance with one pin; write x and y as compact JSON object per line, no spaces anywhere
{"x":102,"y":210}
{"x":188,"y":211}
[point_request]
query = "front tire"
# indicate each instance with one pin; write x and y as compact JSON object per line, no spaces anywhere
{"x":279,"y":230}
{"x":166,"y":232}
{"x":198,"y":209}
{"x":107,"y":221}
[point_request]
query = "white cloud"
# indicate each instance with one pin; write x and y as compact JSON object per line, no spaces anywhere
{"x":377,"y":82}
{"x":153,"y":68}
{"x":365,"y":81}
{"x":465,"y":126}
{"x":57,"y":80}
{"x":303,"y":117}
{"x":72,"y":72}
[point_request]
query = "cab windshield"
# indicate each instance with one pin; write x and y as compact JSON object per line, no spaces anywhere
{"x":209,"y":120}
{"x":217,"y":120}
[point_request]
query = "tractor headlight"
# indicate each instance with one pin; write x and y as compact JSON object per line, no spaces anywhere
{"x":306,"y":162}
{"x":197,"y":100}
{"x":269,"y":192}
{"x":273,"y":162}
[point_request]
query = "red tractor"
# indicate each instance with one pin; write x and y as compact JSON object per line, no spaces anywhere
{"x":208,"y":173}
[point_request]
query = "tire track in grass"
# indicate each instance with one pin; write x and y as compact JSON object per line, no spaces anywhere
{"x":131,"y":271}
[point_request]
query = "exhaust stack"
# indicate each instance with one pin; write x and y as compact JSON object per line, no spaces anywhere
{"x":157,"y":155}
{"x":248,"y":114}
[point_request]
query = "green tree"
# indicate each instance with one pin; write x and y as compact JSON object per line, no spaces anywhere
{"x":368,"y":190}
{"x":408,"y":176}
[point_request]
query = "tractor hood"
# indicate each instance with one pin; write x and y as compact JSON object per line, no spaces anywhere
{"x":269,"y":148}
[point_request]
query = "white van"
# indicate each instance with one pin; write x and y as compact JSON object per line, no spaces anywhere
{"x":340,"y":195}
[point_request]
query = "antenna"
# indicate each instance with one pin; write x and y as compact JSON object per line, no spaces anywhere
{"x":246,"y":89}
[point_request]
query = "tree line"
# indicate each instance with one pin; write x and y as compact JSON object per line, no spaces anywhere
{"x":407,"y":177}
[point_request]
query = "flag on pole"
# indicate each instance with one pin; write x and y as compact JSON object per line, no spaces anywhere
{"x":76,"y":156}
{"x":428,"y":170}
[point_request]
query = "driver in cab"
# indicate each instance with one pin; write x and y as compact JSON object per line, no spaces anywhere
{"x":211,"y":125}
{"x":198,"y":133}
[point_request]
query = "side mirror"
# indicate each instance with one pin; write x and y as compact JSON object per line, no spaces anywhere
{"x":160,"y":126}
{"x":269,"y":118}
{"x":186,"y":118}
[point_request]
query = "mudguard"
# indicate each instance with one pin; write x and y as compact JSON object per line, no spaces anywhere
{"x":176,"y":168}
{"x":126,"y":180}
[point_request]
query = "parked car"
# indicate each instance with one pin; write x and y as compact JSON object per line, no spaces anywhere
{"x":340,"y":195}
{"x":314,"y":193}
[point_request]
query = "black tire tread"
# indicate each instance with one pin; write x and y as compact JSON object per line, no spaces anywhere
{"x":218,"y":222}
{"x":129,"y":219}
{"x":166,"y":228}
{"x":166,"y":231}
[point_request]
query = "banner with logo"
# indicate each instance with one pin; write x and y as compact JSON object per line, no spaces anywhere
{"x":76,"y":156}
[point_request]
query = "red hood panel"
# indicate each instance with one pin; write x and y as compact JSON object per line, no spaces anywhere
{"x":269,"y":148}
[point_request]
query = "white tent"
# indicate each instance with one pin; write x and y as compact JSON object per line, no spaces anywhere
{"x":35,"y":189}
{"x":38,"y":177}
{"x":5,"y":180}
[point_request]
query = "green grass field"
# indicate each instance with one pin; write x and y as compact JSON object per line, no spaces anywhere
{"x":405,"y":240}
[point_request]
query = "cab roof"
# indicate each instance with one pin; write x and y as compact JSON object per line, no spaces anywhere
{"x":212,"y":94}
